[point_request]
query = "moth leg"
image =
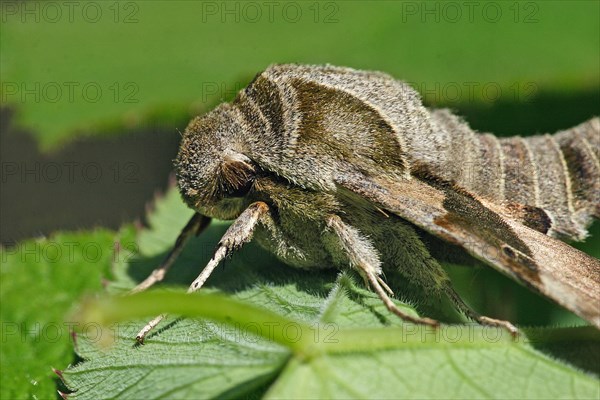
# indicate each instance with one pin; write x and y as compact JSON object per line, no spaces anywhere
{"x":237,"y":234}
{"x":474,"y":315}
{"x":381,"y":282}
{"x":194,"y":227}
{"x":365,"y":259}
{"x":385,"y":286}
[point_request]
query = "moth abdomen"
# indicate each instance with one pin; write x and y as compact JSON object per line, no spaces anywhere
{"x":567,"y":177}
{"x":580,"y":147}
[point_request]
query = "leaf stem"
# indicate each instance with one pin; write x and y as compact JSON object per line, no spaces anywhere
{"x":290,"y":333}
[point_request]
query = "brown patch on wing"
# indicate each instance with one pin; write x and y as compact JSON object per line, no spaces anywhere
{"x":464,"y":209}
{"x":459,"y":199}
{"x":533,"y":217}
{"x":524,"y":266}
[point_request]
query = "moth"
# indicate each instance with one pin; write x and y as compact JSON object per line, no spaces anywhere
{"x":328,"y":166}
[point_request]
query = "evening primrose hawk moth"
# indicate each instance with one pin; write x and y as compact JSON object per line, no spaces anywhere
{"x":334,"y":167}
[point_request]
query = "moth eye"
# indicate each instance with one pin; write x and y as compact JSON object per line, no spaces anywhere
{"x":236,"y":177}
{"x":239,"y":191}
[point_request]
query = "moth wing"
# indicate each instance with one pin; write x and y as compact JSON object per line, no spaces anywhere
{"x":488,"y":232}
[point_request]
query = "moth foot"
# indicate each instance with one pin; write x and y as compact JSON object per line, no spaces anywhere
{"x":501,"y":324}
{"x":409,"y":318}
{"x":147,"y":328}
{"x":427,"y":321}
{"x":156,"y":276}
{"x":385,"y":286}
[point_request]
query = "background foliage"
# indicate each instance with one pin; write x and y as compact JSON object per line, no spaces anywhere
{"x":534,"y":67}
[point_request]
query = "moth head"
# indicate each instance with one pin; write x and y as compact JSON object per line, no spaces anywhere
{"x":213,"y":174}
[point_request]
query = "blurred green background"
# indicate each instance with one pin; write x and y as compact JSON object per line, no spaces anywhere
{"x":93,"y":95}
{"x":126,"y":76}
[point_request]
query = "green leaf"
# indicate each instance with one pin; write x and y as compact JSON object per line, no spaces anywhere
{"x":248,"y":347}
{"x":262,"y":329}
{"x":112,"y":66}
{"x":41,"y":280}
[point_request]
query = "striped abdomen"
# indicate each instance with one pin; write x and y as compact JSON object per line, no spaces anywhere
{"x":559,"y":173}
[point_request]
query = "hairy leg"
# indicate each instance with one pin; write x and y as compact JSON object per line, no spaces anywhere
{"x":405,"y":250}
{"x":363,"y":256}
{"x":425,"y":271}
{"x":237,"y":234}
{"x":470,"y":313}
